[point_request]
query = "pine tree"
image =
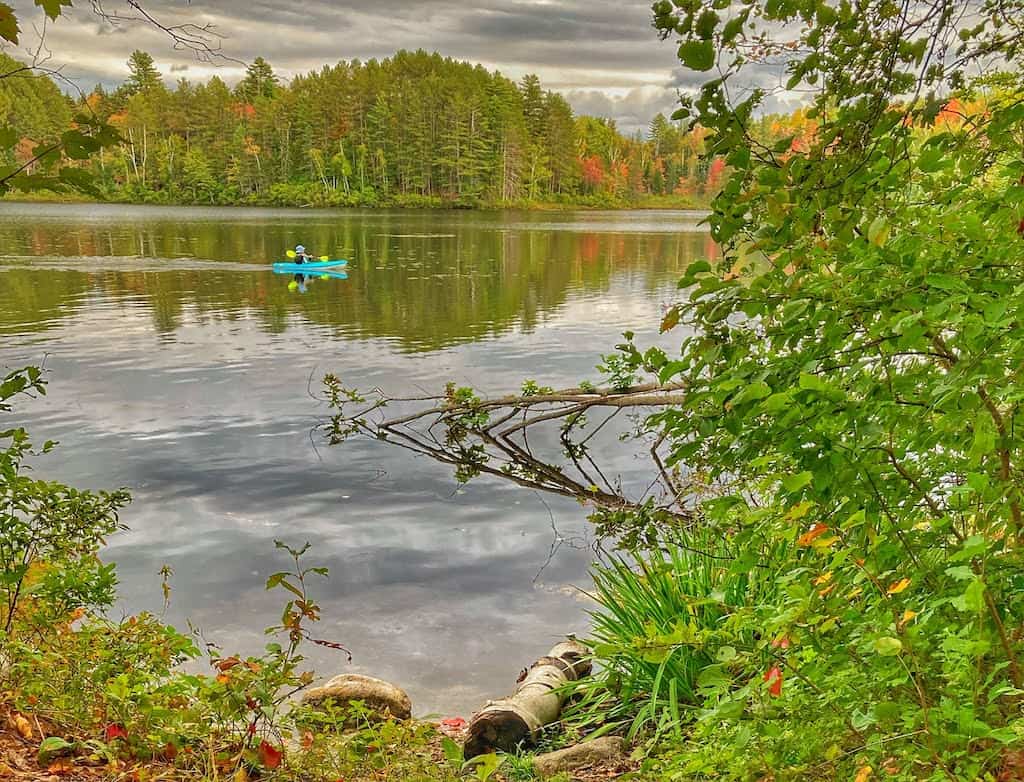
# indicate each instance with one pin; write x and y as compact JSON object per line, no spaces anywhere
{"x":260,"y":82}
{"x":143,"y":73}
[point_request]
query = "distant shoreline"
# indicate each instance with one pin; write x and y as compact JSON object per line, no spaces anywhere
{"x":655,"y":203}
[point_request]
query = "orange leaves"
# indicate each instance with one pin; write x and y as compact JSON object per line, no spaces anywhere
{"x":670,"y":321}
{"x":270,"y":756}
{"x":898,"y":586}
{"x":226,"y":664}
{"x":21,"y":725}
{"x":864,"y":774}
{"x":61,"y":766}
{"x":812,"y":534}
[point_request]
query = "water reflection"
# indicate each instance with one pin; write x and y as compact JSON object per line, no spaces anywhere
{"x":180,"y":366}
{"x":410,"y":281}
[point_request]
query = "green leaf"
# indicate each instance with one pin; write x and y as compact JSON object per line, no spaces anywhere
{"x":984,"y":441}
{"x":732,"y":28}
{"x":888,"y":646}
{"x":8,"y":137}
{"x":78,"y":178}
{"x":698,"y":55}
{"x":752,"y":393}
{"x":452,"y":752}
{"x":692,"y":272}
{"x":811,"y":382}
{"x":974,"y":596}
{"x":79,"y":146}
{"x":776,"y":403}
{"x":796,"y":482}
{"x":930,"y":159}
{"x":878,"y":231}
{"x":53,"y":747}
{"x":8,"y":24}
{"x":483,"y":766}
{"x":52,"y":7}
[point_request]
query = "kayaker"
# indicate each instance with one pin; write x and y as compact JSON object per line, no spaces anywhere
{"x":300,"y":254}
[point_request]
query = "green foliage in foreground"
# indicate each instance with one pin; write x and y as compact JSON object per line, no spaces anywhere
{"x":111,"y":693}
{"x":853,"y":365}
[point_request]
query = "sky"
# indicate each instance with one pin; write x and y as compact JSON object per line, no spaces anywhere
{"x":603,"y":55}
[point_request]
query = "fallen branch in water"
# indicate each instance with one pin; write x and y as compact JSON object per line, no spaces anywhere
{"x":492,"y":436}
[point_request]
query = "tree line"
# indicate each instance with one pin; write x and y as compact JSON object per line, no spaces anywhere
{"x":413,"y":129}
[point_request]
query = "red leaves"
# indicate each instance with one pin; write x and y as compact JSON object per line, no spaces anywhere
{"x":453,"y":726}
{"x":270,"y":756}
{"x":114,"y":731}
{"x":774,"y":678}
{"x":226,"y":664}
{"x":715,"y":173}
{"x":593,"y":171}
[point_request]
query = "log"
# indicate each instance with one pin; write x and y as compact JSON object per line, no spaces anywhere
{"x":508,"y":723}
{"x":605,"y":750}
{"x":383,"y":699}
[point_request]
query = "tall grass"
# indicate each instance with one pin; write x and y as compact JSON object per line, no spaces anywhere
{"x":653,"y":632}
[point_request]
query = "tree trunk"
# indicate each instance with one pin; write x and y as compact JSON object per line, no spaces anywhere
{"x":505,"y":724}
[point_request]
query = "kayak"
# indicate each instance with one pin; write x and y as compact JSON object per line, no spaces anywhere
{"x":305,"y":267}
{"x":336,"y":275}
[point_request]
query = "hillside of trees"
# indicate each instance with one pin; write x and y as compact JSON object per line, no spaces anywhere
{"x":416,"y":129}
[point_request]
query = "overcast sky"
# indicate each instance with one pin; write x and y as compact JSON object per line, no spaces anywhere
{"x":603,"y":55}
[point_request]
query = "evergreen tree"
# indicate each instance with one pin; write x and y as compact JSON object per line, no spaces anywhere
{"x":143,"y":74}
{"x":259,"y":82}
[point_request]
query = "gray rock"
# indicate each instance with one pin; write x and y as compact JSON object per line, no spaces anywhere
{"x":589,"y":753}
{"x":385,"y":700}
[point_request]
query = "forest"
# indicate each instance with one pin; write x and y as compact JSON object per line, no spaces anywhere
{"x":416,"y":129}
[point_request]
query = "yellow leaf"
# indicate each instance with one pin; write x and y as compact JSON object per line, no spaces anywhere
{"x":22,"y":725}
{"x":907,"y":616}
{"x":854,"y":593}
{"x":898,"y":586}
{"x":824,"y":592}
{"x":824,"y":578}
{"x":241,"y":775}
{"x":864,"y":774}
{"x":671,"y":320}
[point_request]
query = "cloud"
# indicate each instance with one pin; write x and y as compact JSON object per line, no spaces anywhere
{"x":602,"y":54}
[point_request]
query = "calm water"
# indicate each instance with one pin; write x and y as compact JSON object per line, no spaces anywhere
{"x":179,"y":368}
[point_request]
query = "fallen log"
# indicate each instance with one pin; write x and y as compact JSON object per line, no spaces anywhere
{"x":506,"y":724}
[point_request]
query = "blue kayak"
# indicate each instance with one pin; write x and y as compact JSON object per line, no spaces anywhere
{"x":311,"y":266}
{"x":334,"y":275}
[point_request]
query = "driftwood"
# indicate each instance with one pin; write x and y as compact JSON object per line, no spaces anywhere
{"x":382,"y":699}
{"x":601,"y":751}
{"x":506,"y":724}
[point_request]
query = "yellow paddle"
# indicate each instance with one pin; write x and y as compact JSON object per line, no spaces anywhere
{"x":291,"y":254}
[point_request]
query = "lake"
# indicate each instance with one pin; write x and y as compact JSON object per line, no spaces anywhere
{"x":181,"y":368}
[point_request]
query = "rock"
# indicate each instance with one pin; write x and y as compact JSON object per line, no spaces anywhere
{"x":589,"y":753}
{"x":383,"y":699}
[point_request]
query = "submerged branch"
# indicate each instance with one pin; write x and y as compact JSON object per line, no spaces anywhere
{"x":502,"y":436}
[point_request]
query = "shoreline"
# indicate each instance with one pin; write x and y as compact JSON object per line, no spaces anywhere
{"x":654,"y":205}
